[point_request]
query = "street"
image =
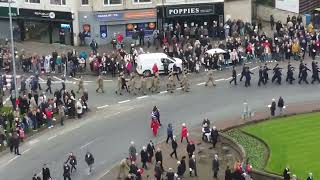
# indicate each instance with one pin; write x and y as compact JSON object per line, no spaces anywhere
{"x":114,"y":121}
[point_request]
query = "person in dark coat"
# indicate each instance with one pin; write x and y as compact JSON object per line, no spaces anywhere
{"x":73,"y":161}
{"x":144,"y":157}
{"x":273,"y":107}
{"x":174,"y":146}
{"x":286,"y":173}
{"x":280,"y":104}
{"x":170,"y":174}
{"x":248,"y":77}
{"x":304,"y":75}
{"x":180,"y":170}
{"x":158,"y":156}
{"x":228,"y":174}
{"x":89,"y":160}
{"x":133,"y":169}
{"x":215,"y":166}
{"x":16,"y":143}
{"x":190,"y":149}
{"x":214,"y":136}
{"x":169,"y":133}
{"x":234,"y":76}
{"x":158,"y":170}
{"x":193,"y":165}
{"x":66,"y":171}
{"x":45,"y":172}
{"x":150,"y":150}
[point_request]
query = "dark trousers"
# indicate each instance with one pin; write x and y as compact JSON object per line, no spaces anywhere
{"x":169,"y":136}
{"x":144,"y":165}
{"x":67,"y":177}
{"x":186,"y":139}
{"x":16,"y":150}
{"x":175,"y":153}
{"x":49,"y":89}
{"x":214,"y":142}
{"x":234,"y":79}
{"x":195,"y":172}
{"x":73,"y":167}
{"x":215,"y":173}
{"x":242,"y":75}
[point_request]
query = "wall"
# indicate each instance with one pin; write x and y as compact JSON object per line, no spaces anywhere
{"x":240,"y":9}
{"x":99,"y":5}
{"x":4,"y":30}
{"x":264,"y":12}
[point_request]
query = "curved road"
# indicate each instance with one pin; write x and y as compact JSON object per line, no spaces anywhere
{"x":107,"y":132}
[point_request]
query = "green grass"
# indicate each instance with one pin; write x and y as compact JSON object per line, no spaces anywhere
{"x":255,"y":150}
{"x":293,"y":141}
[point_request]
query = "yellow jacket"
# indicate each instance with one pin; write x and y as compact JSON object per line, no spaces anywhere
{"x":310,"y":28}
{"x":295,"y":48}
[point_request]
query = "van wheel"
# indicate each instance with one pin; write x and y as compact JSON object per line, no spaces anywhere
{"x":147,"y":73}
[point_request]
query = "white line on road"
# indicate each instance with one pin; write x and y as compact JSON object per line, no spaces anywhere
{"x":104,"y":174}
{"x":203,"y":83}
{"x":12,"y":159}
{"x":239,"y":74}
{"x":57,"y":78}
{"x":88,"y":81}
{"x":52,"y":137}
{"x":179,"y":88}
{"x":128,"y":100}
{"x":130,"y":109}
{"x":108,"y":80}
{"x":142,"y":97}
{"x":229,"y":79}
{"x":100,"y":107}
{"x":76,"y":79}
{"x":26,"y":151}
{"x":219,"y":80}
{"x":41,"y":79}
{"x":162,"y":92}
{"x":86,"y":144}
{"x":254,"y":68}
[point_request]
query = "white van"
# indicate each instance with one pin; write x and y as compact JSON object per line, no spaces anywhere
{"x":145,"y":63}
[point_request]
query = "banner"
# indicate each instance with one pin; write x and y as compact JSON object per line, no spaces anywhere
{"x":288,"y":5}
{"x":103,"y":31}
{"x":148,"y":28}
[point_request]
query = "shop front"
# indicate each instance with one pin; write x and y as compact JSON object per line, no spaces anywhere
{"x":4,"y":23}
{"x":46,"y":26}
{"x":125,"y":23}
{"x":190,"y":14}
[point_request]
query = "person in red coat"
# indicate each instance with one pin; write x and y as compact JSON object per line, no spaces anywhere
{"x":155,"y":68}
{"x":154,"y":126}
{"x":184,"y":133}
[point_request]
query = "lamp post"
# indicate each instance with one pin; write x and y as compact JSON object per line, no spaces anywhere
{"x":12,"y":51}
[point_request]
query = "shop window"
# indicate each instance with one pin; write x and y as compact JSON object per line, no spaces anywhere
{"x":148,"y":28}
{"x":112,"y":2}
{"x":141,"y":1}
{"x":84,"y":2}
{"x":32,"y":1}
{"x":58,"y":2}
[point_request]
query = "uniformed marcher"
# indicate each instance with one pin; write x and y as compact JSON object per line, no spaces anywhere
{"x":301,"y":66}
{"x":119,"y":85}
{"x":156,"y":83}
{"x":143,"y":85}
{"x":277,"y":74}
{"x":210,"y":78}
{"x":100,"y":84}
{"x":49,"y":83}
{"x":234,"y":76}
{"x":304,"y":75}
{"x":124,"y":82}
{"x":80,"y":85}
{"x":171,"y":86}
{"x":265,"y":74}
{"x":248,"y":77}
{"x":315,"y":73}
{"x":290,"y":77}
{"x":244,"y":67}
{"x":260,"y":76}
{"x":185,"y":83}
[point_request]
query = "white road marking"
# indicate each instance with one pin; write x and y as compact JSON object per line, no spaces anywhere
{"x":108,"y":80}
{"x":76,"y":79}
{"x":33,"y":141}
{"x":142,"y":97}
{"x":239,"y":74}
{"x":219,"y":80}
{"x":12,"y":159}
{"x":52,"y":137}
{"x":87,"y":81}
{"x":203,"y":83}
{"x":104,"y":174}
{"x":100,"y":107}
{"x":162,"y":92}
{"x":228,"y":79}
{"x":254,"y":68}
{"x":130,"y":109}
{"x":86,"y":144}
{"x":74,"y":83}
{"x":121,"y":102}
{"x":179,"y":88}
{"x":41,"y":79}
{"x":26,"y":151}
{"x":55,"y":77}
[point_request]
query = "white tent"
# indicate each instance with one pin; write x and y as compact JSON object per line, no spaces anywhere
{"x":215,"y":51}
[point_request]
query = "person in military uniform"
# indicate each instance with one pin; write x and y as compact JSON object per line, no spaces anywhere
{"x":277,"y":74}
{"x":143,"y":85}
{"x":234,"y":76}
{"x":185,"y":83}
{"x":119,"y":85}
{"x":131,"y":82}
{"x":80,"y":85}
{"x":315,"y":73}
{"x":265,"y":74}
{"x":210,"y":78}
{"x":100,"y":84}
{"x":171,"y":86}
{"x":156,"y":83}
{"x":290,"y":77}
{"x":248,"y":77}
{"x":260,"y":76}
{"x":304,"y":75}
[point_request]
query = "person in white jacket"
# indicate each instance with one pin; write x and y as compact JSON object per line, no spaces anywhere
{"x":79,"y":108}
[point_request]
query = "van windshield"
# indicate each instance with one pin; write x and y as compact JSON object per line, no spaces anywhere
{"x":171,"y":58}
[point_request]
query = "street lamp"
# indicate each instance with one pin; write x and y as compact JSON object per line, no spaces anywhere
{"x":12,"y":50}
